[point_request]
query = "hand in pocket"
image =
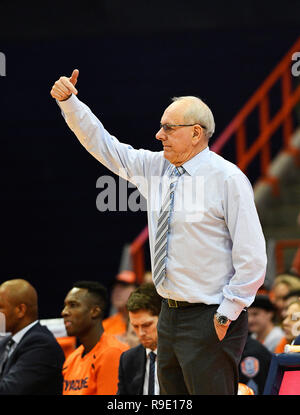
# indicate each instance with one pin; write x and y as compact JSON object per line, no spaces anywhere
{"x":221,"y":329}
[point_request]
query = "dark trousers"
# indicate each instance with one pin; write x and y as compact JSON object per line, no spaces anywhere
{"x":190,"y":357}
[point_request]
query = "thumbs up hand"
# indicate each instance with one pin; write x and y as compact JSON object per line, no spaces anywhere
{"x":64,"y":87}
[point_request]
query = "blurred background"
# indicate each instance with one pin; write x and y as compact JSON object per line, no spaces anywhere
{"x":133,"y":56}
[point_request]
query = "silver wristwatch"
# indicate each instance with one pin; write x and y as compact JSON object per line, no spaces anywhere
{"x":222,"y":320}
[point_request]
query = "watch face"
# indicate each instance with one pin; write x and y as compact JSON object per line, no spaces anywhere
{"x":222,"y":319}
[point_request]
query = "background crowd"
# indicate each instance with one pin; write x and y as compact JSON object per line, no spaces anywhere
{"x":110,"y":337}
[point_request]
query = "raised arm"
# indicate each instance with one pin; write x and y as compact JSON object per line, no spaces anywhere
{"x":64,"y":87}
{"x":134,"y":165}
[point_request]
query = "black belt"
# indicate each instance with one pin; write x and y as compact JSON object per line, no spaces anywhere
{"x":179,"y":304}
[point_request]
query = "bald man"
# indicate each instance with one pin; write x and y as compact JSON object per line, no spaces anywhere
{"x":207,"y":248}
{"x":31,"y":360}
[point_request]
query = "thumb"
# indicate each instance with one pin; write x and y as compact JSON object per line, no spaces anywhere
{"x":74,"y":77}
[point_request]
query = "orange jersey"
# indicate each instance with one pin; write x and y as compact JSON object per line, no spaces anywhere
{"x":114,"y":324}
{"x":96,"y":373}
{"x":280,"y":346}
{"x":68,"y":344}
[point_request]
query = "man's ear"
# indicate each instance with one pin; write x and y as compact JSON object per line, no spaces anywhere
{"x":21,"y":310}
{"x":197,"y":134}
{"x":96,"y":312}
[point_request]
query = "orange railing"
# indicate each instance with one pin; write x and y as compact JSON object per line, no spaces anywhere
{"x":267,"y":125}
{"x":137,"y":254}
{"x":261,"y":145}
{"x":281,"y":246}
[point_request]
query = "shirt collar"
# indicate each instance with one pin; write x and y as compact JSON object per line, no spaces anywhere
{"x":149,"y":350}
{"x":192,"y":165}
{"x":19,"y":335}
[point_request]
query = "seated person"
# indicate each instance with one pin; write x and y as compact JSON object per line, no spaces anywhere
{"x":291,"y":326}
{"x":92,"y":369}
{"x":282,"y":285}
{"x":137,"y":369}
{"x":116,"y":323}
{"x":130,"y":338}
{"x":254,"y":365}
{"x":291,"y":296}
{"x":31,"y":360}
{"x":261,"y":322}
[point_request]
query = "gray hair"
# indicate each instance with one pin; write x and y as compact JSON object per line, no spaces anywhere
{"x":198,"y":112}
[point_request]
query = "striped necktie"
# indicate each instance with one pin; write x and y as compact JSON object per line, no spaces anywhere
{"x":160,"y":249}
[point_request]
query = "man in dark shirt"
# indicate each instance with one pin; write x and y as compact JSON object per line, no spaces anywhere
{"x":254,"y":365}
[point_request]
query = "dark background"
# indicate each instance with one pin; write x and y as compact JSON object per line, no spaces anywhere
{"x":133,"y":56}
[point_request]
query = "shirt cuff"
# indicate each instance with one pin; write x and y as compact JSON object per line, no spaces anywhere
{"x":230,"y":309}
{"x":70,"y":105}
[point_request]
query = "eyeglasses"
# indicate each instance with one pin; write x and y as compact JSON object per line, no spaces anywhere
{"x":168,"y":127}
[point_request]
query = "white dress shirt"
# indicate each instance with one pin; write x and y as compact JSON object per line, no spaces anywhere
{"x":146,"y":379}
{"x":216,"y":248}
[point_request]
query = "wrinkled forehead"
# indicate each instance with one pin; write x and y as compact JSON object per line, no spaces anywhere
{"x":174,"y":113}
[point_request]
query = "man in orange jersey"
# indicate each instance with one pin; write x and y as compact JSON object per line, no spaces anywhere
{"x":92,"y":369}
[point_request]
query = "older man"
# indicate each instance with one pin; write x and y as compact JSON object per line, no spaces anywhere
{"x":207,"y":247}
{"x":30,"y":358}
